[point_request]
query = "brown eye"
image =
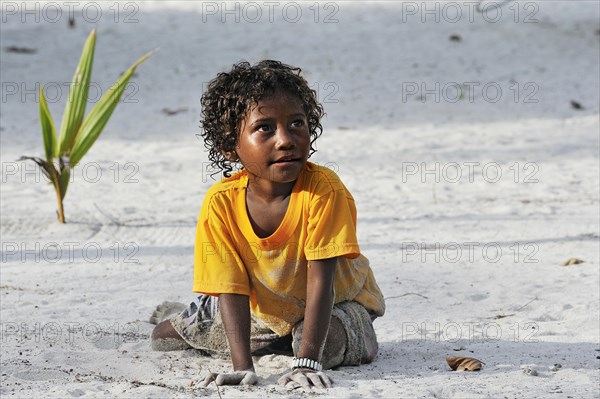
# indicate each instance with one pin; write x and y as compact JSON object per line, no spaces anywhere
{"x":264,"y":128}
{"x":298,"y":123}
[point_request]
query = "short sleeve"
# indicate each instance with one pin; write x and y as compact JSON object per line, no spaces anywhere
{"x":218,"y":268}
{"x":331,"y":228}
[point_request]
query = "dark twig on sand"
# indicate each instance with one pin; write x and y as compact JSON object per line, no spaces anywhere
{"x":534,"y":299}
{"x":408,"y":293}
{"x":215,"y":381}
{"x":501,"y":316}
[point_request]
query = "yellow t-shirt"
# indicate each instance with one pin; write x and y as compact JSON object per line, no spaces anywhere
{"x":320,"y":223}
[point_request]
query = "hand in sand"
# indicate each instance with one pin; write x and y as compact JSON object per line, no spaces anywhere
{"x":245,"y":377}
{"x":305,"y":378}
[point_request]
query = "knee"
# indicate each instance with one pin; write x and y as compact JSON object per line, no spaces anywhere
{"x":371,"y":346}
{"x":334,"y":347}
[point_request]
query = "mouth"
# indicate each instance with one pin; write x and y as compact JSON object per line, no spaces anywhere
{"x":286,"y":160}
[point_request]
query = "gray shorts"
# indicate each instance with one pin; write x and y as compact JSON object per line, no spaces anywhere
{"x":200,"y":325}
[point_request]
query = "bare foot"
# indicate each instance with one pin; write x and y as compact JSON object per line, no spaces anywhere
{"x":165,"y":310}
{"x":166,"y":338}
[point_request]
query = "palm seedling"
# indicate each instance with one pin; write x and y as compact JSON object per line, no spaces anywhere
{"x":77,"y":133}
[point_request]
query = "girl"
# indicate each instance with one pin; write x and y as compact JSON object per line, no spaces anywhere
{"x":276,"y":256}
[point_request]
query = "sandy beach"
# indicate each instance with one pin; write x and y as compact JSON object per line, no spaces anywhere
{"x":469,"y":140}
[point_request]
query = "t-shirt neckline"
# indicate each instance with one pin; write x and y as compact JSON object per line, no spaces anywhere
{"x":281,"y":235}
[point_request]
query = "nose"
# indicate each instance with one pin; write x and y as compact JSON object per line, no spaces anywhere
{"x":285,"y":138}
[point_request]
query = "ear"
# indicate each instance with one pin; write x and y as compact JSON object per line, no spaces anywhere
{"x":231,"y":156}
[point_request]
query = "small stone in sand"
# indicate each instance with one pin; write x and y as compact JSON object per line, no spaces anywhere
{"x":529,"y":371}
{"x":555,"y":367}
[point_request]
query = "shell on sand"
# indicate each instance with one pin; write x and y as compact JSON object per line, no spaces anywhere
{"x":572,"y":261}
{"x":460,"y":363}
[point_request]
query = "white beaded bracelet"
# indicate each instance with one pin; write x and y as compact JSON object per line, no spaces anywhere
{"x":304,"y":362}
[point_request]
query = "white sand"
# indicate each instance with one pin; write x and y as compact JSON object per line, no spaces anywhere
{"x":76,"y":326}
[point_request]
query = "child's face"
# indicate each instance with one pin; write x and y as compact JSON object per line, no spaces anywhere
{"x":274,"y":139}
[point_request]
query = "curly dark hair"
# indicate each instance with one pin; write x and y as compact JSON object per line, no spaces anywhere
{"x":231,"y":95}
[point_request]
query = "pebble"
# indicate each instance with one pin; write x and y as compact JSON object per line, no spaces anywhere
{"x":555,"y":367}
{"x":530,"y":371}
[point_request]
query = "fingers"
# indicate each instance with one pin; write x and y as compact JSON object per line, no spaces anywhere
{"x":301,"y":379}
{"x":292,"y":385}
{"x":305,"y":379}
{"x":315,"y":379}
{"x":326,"y":379}
{"x":319,"y":380}
{"x":250,"y":378}
{"x":229,"y":379}
{"x":236,"y":378}
{"x":287,"y":381}
{"x":208,"y":379}
{"x":284,"y":379}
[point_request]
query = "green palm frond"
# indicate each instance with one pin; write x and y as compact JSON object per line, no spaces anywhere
{"x":99,"y":115}
{"x":77,"y":135}
{"x":48,"y":132}
{"x":78,"y":95}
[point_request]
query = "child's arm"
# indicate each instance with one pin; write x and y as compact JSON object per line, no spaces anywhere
{"x":235,"y":313}
{"x":317,"y":316}
{"x":319,"y":303}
